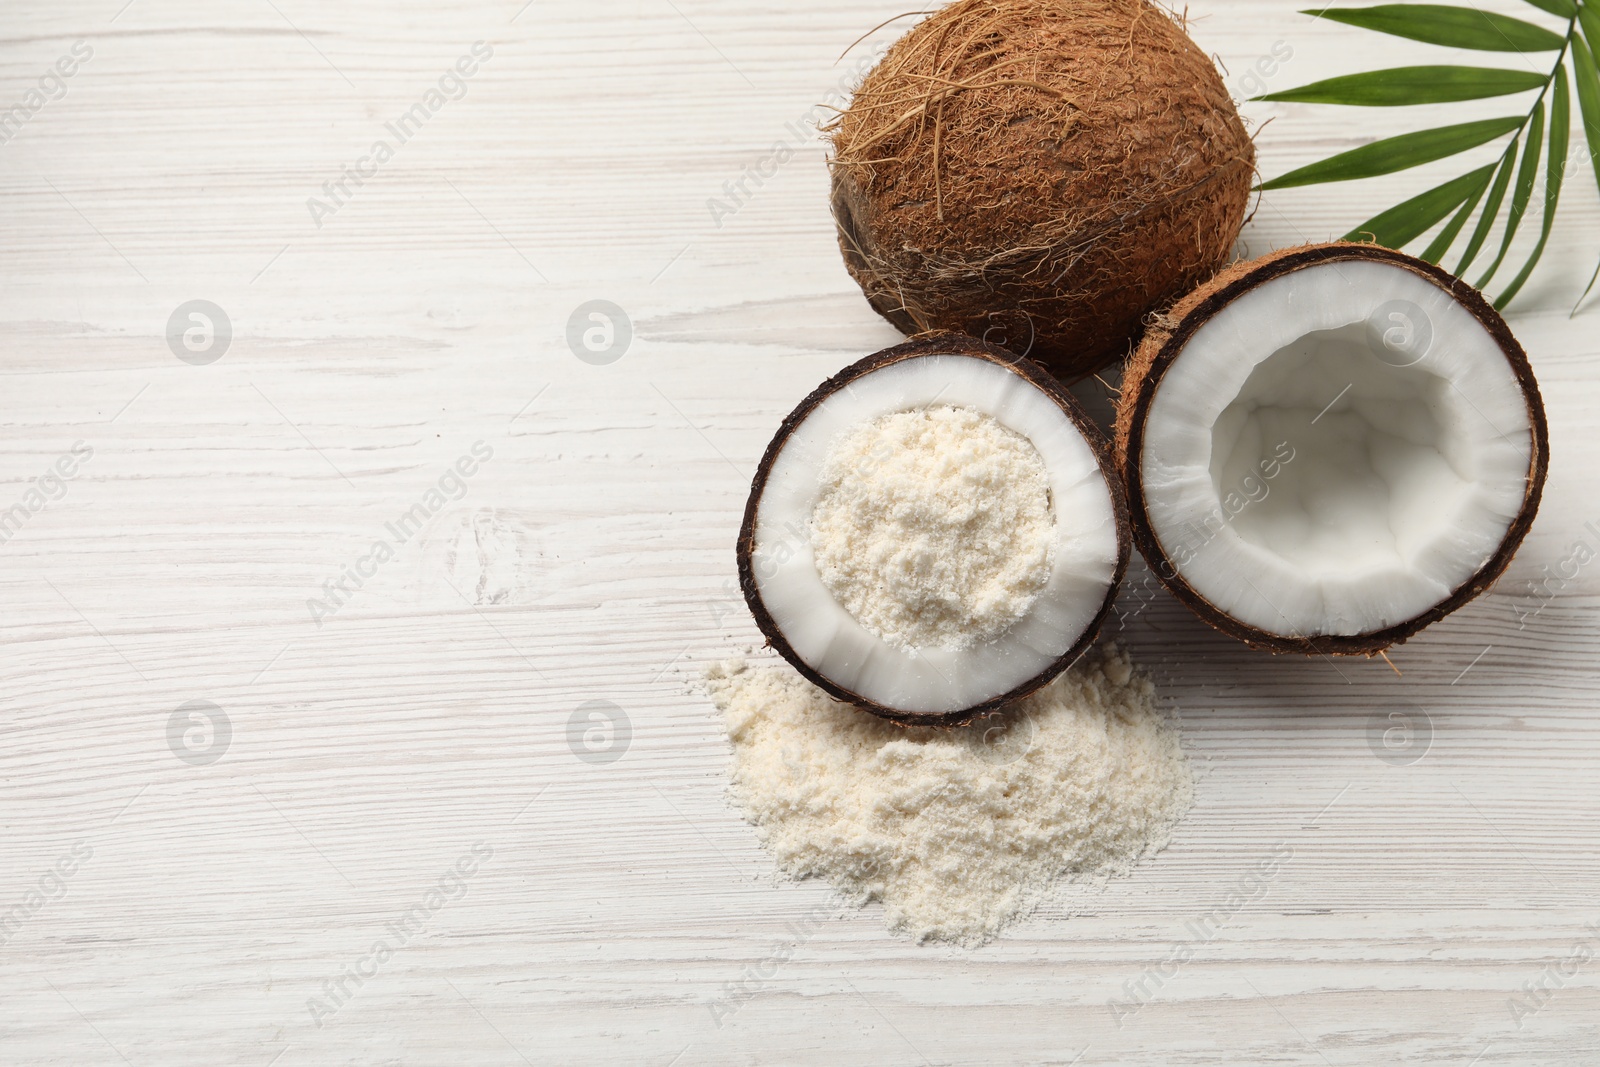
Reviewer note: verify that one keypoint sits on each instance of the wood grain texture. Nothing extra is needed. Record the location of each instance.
(590, 559)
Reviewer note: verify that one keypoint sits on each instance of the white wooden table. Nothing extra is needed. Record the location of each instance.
(183, 892)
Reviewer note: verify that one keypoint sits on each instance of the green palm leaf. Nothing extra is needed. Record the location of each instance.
(1491, 207)
(1564, 8)
(1454, 27)
(1592, 279)
(1404, 223)
(1555, 169)
(1588, 79)
(1498, 194)
(1446, 236)
(1523, 191)
(1590, 21)
(1399, 86)
(1397, 153)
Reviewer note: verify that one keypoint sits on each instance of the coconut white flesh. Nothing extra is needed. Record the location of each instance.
(935, 679)
(1409, 446)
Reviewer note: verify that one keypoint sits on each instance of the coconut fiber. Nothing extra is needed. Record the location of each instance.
(1040, 175)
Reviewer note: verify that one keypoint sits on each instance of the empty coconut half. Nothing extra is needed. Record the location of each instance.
(1331, 447)
(933, 532)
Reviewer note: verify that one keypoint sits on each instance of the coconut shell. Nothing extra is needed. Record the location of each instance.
(1164, 341)
(935, 343)
(1040, 175)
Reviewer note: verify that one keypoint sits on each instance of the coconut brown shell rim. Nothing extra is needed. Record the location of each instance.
(933, 344)
(1197, 310)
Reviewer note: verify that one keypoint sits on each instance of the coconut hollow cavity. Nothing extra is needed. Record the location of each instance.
(933, 532)
(1039, 175)
(1331, 447)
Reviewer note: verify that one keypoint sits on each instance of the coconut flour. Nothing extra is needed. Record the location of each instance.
(933, 527)
(956, 831)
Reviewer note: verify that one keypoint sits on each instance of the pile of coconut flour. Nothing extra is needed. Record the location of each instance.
(956, 831)
(933, 527)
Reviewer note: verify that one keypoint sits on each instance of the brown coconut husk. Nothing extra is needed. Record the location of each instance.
(1163, 344)
(949, 344)
(1041, 175)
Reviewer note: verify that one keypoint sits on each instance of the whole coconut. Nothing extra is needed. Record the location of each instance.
(1039, 174)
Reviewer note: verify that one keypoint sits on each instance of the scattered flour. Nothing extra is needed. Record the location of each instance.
(957, 832)
(934, 527)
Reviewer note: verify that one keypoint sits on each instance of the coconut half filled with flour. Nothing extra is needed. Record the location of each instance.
(933, 532)
(1331, 447)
